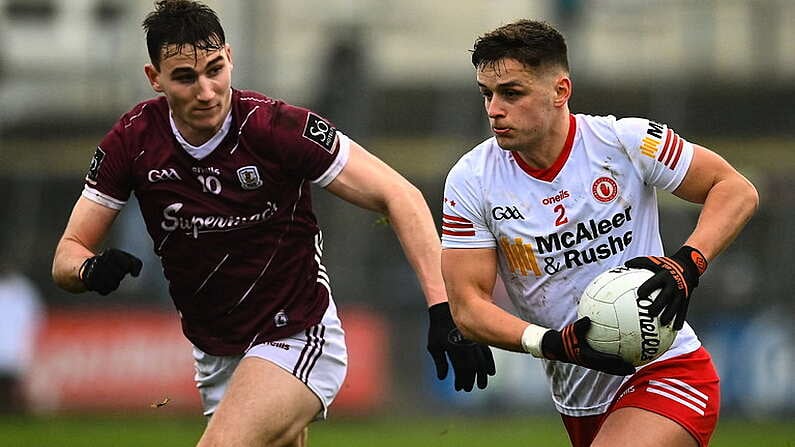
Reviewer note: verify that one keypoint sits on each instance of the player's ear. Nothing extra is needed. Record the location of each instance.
(153, 75)
(562, 90)
(228, 50)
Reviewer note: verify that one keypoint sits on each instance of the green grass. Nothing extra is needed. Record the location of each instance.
(117, 431)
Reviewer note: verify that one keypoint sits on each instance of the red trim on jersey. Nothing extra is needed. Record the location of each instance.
(549, 174)
(456, 225)
(455, 218)
(458, 233)
(459, 226)
(678, 154)
(666, 146)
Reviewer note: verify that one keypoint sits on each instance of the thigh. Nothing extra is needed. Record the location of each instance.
(316, 356)
(263, 405)
(674, 402)
(641, 428)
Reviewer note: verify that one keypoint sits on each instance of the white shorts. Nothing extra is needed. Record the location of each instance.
(317, 356)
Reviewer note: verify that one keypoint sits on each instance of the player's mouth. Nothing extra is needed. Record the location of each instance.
(500, 131)
(204, 110)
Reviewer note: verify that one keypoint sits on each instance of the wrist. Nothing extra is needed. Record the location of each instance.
(440, 312)
(531, 340)
(693, 257)
(81, 271)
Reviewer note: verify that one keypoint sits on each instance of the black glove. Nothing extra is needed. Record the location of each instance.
(103, 272)
(469, 359)
(569, 345)
(676, 277)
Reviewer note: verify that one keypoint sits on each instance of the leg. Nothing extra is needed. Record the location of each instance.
(263, 406)
(635, 427)
(674, 402)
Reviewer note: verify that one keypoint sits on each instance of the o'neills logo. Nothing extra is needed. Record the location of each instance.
(649, 334)
(604, 189)
(278, 344)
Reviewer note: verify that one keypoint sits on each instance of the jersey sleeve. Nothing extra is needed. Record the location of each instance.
(463, 221)
(311, 146)
(659, 155)
(108, 181)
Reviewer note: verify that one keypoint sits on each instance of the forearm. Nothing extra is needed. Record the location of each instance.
(413, 224)
(482, 321)
(727, 208)
(69, 256)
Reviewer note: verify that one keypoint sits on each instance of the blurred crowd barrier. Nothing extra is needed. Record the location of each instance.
(113, 359)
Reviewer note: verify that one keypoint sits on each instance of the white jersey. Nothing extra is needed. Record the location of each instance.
(556, 229)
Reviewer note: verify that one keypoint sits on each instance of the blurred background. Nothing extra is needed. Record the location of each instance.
(396, 77)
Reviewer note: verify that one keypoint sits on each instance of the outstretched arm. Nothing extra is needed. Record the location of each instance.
(369, 183)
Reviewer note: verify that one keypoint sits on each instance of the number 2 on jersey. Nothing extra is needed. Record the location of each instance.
(561, 219)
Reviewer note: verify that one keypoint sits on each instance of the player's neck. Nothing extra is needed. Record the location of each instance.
(543, 153)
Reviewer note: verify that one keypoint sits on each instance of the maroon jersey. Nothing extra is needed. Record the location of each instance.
(235, 231)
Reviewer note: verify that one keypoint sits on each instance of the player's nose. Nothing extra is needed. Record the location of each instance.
(206, 91)
(495, 109)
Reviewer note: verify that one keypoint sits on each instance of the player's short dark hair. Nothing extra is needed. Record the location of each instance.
(180, 23)
(531, 42)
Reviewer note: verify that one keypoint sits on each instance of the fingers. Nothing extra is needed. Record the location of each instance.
(641, 263)
(669, 313)
(127, 262)
(485, 365)
(465, 372)
(491, 369)
(681, 314)
(610, 363)
(650, 285)
(136, 266)
(662, 300)
(440, 360)
(581, 327)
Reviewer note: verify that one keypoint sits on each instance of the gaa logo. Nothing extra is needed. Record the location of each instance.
(160, 175)
(506, 212)
(604, 189)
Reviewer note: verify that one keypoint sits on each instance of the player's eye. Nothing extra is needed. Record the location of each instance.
(185, 79)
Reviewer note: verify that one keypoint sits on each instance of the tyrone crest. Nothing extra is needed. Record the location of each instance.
(249, 177)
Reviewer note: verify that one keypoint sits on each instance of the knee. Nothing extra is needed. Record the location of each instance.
(290, 436)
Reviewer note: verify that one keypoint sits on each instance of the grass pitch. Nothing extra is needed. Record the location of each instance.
(382, 431)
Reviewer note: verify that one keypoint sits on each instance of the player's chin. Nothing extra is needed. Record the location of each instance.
(506, 143)
(206, 122)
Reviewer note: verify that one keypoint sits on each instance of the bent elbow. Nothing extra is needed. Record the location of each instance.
(753, 199)
(463, 322)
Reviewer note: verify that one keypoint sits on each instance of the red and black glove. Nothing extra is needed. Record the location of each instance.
(569, 345)
(676, 277)
(103, 272)
(471, 361)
